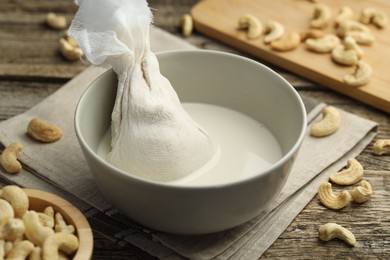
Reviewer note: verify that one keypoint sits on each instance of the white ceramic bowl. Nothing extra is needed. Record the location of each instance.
(207, 77)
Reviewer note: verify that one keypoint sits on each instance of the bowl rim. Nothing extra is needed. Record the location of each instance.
(155, 184)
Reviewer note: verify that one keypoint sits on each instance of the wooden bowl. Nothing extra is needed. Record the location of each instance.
(39, 200)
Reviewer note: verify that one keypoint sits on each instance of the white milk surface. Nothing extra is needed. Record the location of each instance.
(246, 147)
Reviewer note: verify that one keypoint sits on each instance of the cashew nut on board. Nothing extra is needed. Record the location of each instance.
(329, 124)
(362, 38)
(9, 158)
(344, 56)
(17, 198)
(65, 242)
(345, 13)
(253, 26)
(332, 230)
(324, 44)
(43, 131)
(362, 193)
(330, 200)
(311, 34)
(274, 30)
(349, 176)
(346, 26)
(382, 147)
(349, 53)
(57, 22)
(287, 42)
(371, 15)
(186, 24)
(361, 75)
(321, 16)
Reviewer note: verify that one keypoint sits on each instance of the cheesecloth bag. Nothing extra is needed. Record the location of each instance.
(152, 135)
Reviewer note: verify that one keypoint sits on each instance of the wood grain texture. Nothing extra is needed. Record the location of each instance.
(218, 19)
(33, 75)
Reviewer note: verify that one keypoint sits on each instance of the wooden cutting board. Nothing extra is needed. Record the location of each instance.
(218, 19)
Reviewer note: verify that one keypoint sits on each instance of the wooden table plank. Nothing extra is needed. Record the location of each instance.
(31, 69)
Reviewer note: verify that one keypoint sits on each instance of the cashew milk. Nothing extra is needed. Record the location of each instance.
(246, 147)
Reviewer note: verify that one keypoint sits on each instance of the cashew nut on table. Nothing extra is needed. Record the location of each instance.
(349, 176)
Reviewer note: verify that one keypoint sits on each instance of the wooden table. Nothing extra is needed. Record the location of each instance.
(31, 69)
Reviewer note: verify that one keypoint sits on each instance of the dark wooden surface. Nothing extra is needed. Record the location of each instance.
(31, 69)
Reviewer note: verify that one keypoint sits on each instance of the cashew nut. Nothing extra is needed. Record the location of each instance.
(35, 254)
(186, 24)
(344, 56)
(332, 230)
(349, 176)
(348, 53)
(35, 231)
(68, 243)
(57, 22)
(371, 15)
(43, 131)
(330, 200)
(6, 212)
(321, 17)
(17, 198)
(13, 230)
(47, 217)
(346, 26)
(9, 158)
(324, 44)
(21, 250)
(8, 245)
(69, 51)
(312, 33)
(382, 146)
(287, 42)
(2, 251)
(361, 76)
(274, 31)
(61, 225)
(363, 38)
(328, 125)
(345, 13)
(253, 26)
(351, 44)
(362, 193)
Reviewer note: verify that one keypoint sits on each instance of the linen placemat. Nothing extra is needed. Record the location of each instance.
(60, 168)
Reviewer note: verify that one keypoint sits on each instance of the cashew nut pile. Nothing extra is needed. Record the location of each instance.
(27, 234)
(360, 194)
(343, 44)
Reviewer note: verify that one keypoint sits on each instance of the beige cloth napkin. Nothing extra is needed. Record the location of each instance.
(60, 168)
